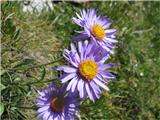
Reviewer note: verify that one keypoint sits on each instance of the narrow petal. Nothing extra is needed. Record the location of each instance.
(67, 77)
(73, 48)
(81, 36)
(46, 115)
(74, 85)
(111, 40)
(95, 86)
(105, 26)
(71, 83)
(75, 53)
(42, 103)
(107, 75)
(95, 89)
(105, 47)
(79, 16)
(78, 21)
(110, 31)
(51, 116)
(62, 118)
(40, 115)
(101, 84)
(103, 79)
(56, 117)
(80, 49)
(83, 13)
(104, 20)
(81, 88)
(67, 69)
(68, 56)
(42, 109)
(62, 91)
(85, 43)
(89, 91)
(89, 49)
(74, 59)
(105, 66)
(87, 31)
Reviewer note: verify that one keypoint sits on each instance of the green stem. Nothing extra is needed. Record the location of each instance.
(24, 107)
(36, 66)
(45, 64)
(39, 81)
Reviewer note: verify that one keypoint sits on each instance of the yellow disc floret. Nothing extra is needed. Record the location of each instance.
(57, 104)
(88, 69)
(98, 31)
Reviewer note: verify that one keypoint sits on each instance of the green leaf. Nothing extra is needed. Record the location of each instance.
(43, 73)
(24, 63)
(2, 87)
(1, 108)
(16, 34)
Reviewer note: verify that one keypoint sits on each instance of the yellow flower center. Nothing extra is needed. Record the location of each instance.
(57, 104)
(98, 31)
(88, 69)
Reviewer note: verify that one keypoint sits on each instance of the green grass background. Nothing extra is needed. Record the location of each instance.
(29, 41)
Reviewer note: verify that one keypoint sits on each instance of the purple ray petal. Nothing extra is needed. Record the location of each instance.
(81, 36)
(51, 116)
(74, 85)
(96, 89)
(42, 109)
(67, 69)
(101, 84)
(67, 77)
(46, 115)
(111, 40)
(89, 91)
(71, 83)
(103, 67)
(107, 75)
(101, 78)
(80, 88)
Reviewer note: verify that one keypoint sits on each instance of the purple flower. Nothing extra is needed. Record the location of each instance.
(87, 70)
(55, 104)
(96, 27)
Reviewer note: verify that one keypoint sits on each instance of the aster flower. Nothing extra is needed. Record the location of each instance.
(54, 104)
(87, 70)
(96, 28)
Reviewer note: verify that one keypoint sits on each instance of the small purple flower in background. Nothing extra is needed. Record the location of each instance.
(55, 104)
(87, 70)
(96, 27)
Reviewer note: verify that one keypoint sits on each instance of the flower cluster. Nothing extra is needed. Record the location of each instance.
(87, 71)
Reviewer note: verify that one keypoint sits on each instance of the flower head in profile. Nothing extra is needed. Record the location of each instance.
(87, 71)
(96, 28)
(55, 104)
